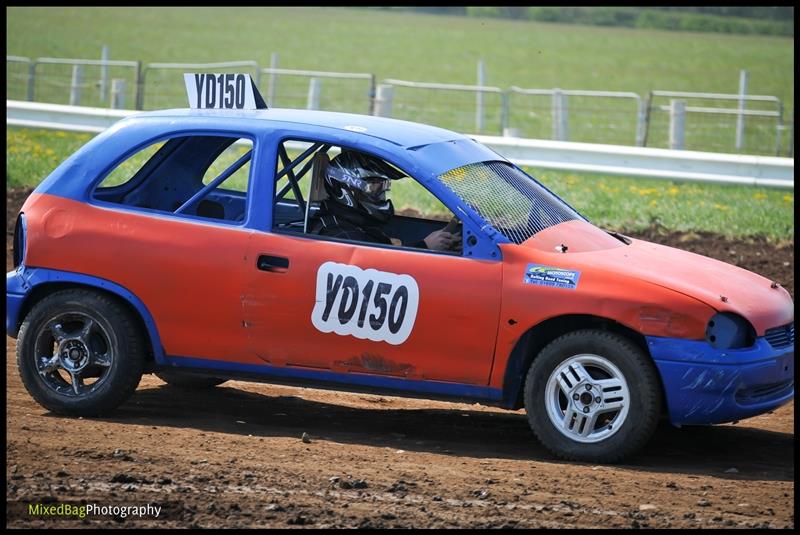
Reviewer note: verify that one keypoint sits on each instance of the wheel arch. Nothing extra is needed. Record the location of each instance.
(142, 317)
(538, 336)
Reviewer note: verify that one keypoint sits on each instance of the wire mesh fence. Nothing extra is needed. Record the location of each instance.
(17, 76)
(747, 124)
(319, 90)
(571, 115)
(463, 108)
(718, 123)
(81, 82)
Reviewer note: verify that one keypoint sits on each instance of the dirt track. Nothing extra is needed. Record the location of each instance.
(233, 456)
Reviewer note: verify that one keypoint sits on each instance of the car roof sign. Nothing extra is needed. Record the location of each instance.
(222, 91)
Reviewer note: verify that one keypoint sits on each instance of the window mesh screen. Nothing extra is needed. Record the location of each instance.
(507, 199)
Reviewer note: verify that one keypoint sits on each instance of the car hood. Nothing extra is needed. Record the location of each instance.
(724, 287)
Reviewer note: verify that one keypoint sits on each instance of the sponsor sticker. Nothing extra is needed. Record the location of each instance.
(365, 303)
(551, 276)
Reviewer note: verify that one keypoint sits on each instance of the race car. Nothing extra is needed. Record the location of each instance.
(185, 243)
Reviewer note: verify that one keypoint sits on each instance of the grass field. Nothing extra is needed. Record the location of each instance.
(621, 203)
(432, 48)
(413, 47)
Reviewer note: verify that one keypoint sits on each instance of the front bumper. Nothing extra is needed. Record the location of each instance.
(704, 385)
(17, 288)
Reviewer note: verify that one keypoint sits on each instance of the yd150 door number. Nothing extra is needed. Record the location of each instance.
(368, 304)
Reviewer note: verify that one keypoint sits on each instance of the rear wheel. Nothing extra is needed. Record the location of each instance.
(79, 352)
(592, 396)
(187, 380)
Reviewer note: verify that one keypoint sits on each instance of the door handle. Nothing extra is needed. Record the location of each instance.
(275, 264)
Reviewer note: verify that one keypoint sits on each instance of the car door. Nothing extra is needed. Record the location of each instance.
(350, 307)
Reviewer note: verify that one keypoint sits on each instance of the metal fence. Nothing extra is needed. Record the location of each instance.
(318, 90)
(749, 124)
(17, 76)
(83, 82)
(464, 108)
(718, 122)
(611, 117)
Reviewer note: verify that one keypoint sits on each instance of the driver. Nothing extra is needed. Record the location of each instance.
(357, 207)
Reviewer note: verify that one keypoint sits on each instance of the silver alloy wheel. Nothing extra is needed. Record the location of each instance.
(587, 398)
(70, 349)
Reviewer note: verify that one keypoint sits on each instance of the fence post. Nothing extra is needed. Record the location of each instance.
(641, 117)
(75, 85)
(740, 115)
(31, 79)
(273, 64)
(479, 98)
(560, 124)
(140, 73)
(779, 128)
(372, 94)
(118, 88)
(104, 74)
(313, 94)
(504, 111)
(648, 103)
(383, 100)
(677, 124)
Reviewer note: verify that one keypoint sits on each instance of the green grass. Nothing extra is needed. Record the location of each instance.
(413, 46)
(627, 204)
(32, 154)
(421, 47)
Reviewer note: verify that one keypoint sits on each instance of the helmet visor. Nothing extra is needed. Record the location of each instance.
(371, 185)
(376, 186)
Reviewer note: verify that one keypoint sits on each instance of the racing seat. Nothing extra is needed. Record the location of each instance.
(317, 193)
(213, 209)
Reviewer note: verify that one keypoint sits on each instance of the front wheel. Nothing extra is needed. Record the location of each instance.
(592, 396)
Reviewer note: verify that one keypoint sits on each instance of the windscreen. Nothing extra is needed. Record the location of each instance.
(508, 199)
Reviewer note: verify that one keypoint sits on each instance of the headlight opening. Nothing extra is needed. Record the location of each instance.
(726, 330)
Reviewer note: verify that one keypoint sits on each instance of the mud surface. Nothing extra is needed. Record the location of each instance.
(253, 455)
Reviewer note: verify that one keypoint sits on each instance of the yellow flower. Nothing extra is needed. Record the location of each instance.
(760, 196)
(788, 198)
(653, 202)
(720, 206)
(673, 190)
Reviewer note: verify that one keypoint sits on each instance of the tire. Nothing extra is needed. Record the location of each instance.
(612, 417)
(187, 380)
(80, 353)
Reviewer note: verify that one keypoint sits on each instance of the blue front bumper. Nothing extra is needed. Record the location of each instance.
(704, 385)
(17, 288)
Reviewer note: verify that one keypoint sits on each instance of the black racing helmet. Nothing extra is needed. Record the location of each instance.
(360, 182)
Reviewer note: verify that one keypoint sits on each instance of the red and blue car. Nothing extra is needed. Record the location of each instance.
(178, 243)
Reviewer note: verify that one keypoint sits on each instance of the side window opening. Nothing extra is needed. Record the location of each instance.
(368, 200)
(197, 176)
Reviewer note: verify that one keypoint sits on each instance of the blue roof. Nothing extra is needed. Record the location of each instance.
(402, 133)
